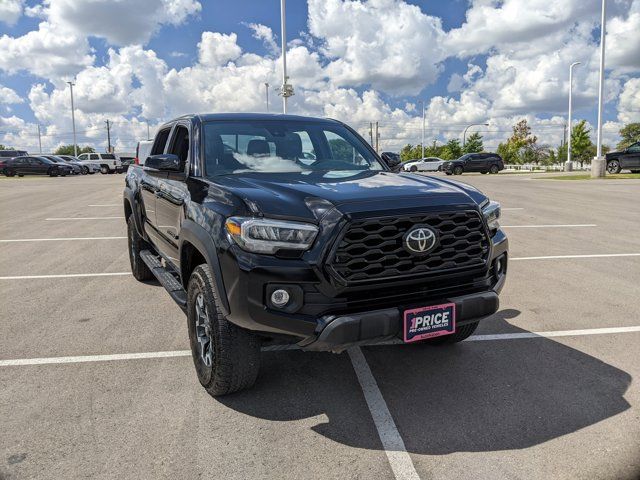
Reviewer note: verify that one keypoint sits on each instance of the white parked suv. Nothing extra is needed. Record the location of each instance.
(428, 164)
(109, 163)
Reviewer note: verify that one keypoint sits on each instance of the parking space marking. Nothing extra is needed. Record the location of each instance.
(185, 353)
(83, 218)
(68, 275)
(551, 226)
(560, 257)
(392, 442)
(61, 239)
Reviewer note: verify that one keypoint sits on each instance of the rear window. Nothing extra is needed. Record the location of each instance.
(108, 156)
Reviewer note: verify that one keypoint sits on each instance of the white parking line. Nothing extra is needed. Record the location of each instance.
(392, 442)
(68, 275)
(186, 353)
(551, 226)
(83, 218)
(559, 257)
(62, 239)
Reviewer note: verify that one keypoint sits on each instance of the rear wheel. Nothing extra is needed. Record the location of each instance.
(139, 269)
(494, 169)
(613, 167)
(226, 357)
(458, 170)
(462, 333)
(484, 173)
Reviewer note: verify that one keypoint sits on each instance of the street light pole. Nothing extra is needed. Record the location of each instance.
(73, 121)
(569, 166)
(598, 164)
(286, 90)
(464, 134)
(266, 91)
(422, 129)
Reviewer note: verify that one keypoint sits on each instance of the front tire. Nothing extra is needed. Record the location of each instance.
(494, 169)
(136, 243)
(84, 170)
(8, 172)
(457, 170)
(226, 357)
(104, 169)
(613, 167)
(53, 172)
(413, 169)
(462, 333)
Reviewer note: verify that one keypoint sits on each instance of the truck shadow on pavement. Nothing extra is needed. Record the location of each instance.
(471, 397)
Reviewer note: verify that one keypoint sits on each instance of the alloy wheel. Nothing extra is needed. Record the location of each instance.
(203, 331)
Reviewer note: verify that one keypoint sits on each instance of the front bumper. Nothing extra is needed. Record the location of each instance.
(329, 318)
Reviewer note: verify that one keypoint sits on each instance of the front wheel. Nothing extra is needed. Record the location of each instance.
(226, 357)
(613, 167)
(84, 170)
(104, 169)
(9, 172)
(52, 172)
(136, 243)
(462, 333)
(457, 171)
(413, 169)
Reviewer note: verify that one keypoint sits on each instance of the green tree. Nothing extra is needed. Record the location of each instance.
(452, 150)
(521, 140)
(68, 150)
(2, 147)
(474, 144)
(581, 143)
(630, 133)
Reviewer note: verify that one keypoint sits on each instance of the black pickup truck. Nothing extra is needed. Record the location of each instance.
(279, 229)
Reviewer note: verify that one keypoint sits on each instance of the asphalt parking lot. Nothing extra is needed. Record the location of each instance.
(509, 404)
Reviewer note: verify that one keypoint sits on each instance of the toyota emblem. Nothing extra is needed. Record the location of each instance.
(420, 240)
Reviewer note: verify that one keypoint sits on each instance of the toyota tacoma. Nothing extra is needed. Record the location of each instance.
(287, 230)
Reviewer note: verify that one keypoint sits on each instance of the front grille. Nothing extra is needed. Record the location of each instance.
(373, 248)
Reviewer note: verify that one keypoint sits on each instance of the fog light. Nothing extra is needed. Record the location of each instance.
(280, 298)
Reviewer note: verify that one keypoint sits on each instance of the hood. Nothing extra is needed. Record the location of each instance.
(289, 194)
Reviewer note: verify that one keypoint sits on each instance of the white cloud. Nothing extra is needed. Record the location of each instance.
(10, 11)
(120, 22)
(629, 103)
(217, 48)
(9, 96)
(623, 40)
(265, 34)
(387, 44)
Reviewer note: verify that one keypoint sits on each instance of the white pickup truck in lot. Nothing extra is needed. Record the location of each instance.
(109, 163)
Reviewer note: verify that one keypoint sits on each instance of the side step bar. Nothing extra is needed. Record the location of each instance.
(167, 279)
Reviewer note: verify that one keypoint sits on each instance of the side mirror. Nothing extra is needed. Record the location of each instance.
(392, 160)
(165, 162)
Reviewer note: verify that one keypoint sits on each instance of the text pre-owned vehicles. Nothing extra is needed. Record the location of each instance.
(31, 165)
(474, 162)
(86, 167)
(427, 164)
(109, 163)
(629, 159)
(75, 169)
(258, 243)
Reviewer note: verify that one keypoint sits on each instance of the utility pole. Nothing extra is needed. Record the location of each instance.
(371, 132)
(108, 137)
(148, 131)
(286, 90)
(266, 92)
(73, 121)
(39, 139)
(569, 166)
(598, 164)
(377, 138)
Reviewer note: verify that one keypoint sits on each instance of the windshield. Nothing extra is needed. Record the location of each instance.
(283, 146)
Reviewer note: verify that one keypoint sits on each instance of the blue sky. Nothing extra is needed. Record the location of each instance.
(465, 65)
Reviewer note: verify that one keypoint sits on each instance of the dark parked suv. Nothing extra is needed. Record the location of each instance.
(629, 158)
(292, 230)
(474, 162)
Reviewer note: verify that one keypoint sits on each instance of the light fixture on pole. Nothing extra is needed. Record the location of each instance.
(73, 121)
(568, 166)
(598, 164)
(286, 90)
(464, 134)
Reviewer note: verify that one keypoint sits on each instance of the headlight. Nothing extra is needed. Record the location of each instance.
(268, 236)
(491, 212)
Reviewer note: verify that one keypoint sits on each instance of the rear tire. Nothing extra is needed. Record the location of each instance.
(493, 169)
(462, 333)
(613, 167)
(458, 170)
(136, 243)
(226, 357)
(413, 169)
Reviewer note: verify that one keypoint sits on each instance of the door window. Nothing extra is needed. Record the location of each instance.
(180, 144)
(342, 150)
(94, 156)
(635, 148)
(160, 141)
